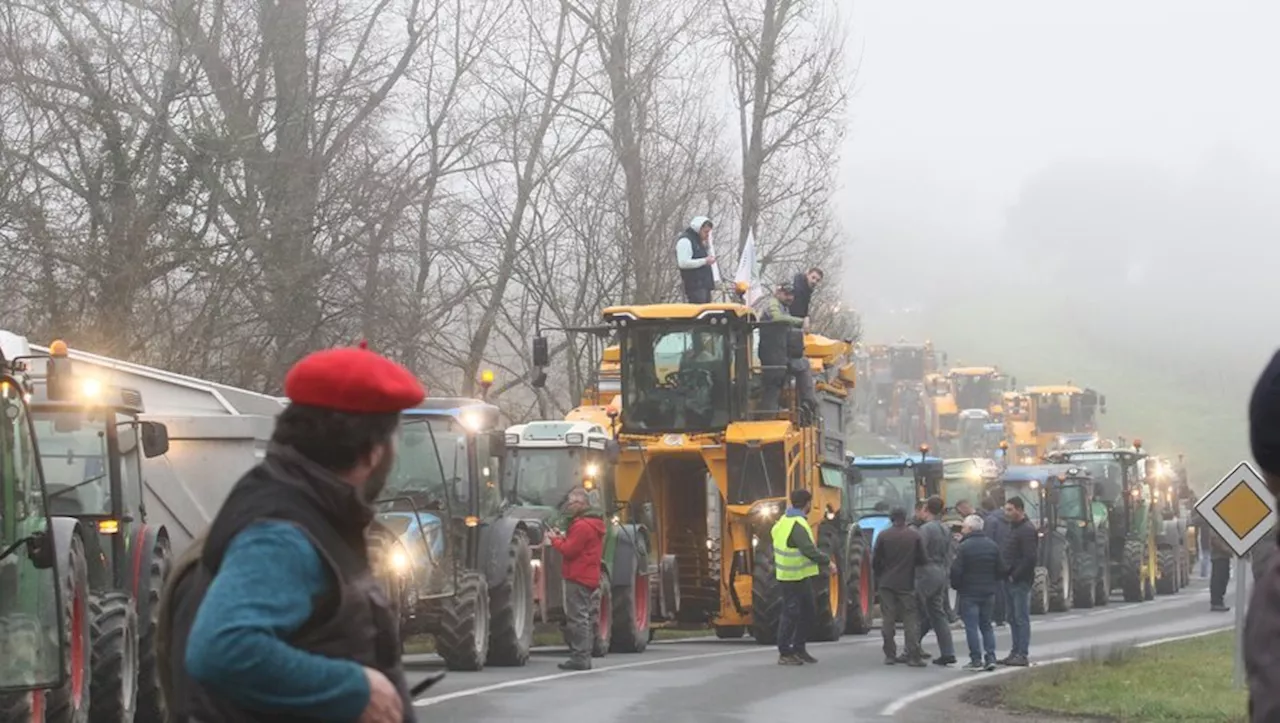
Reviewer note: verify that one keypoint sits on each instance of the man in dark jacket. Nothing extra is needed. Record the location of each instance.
(898, 553)
(1222, 555)
(997, 528)
(976, 575)
(275, 613)
(694, 259)
(796, 562)
(1019, 553)
(1262, 621)
(581, 550)
(805, 284)
(931, 581)
(772, 350)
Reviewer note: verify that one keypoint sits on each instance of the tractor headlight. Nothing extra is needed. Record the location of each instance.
(767, 511)
(755, 541)
(399, 561)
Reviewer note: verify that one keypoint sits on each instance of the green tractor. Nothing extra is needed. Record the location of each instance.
(1173, 499)
(45, 638)
(1122, 488)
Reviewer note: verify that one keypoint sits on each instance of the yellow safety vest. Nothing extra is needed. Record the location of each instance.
(789, 564)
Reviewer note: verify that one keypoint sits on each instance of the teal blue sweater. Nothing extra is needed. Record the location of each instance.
(263, 593)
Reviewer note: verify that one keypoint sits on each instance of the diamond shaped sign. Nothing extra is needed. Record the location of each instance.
(1239, 508)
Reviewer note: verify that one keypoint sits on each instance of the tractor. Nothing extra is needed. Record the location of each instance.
(456, 561)
(545, 461)
(1064, 415)
(1120, 485)
(46, 611)
(877, 484)
(965, 478)
(706, 462)
(1073, 565)
(944, 417)
(1172, 522)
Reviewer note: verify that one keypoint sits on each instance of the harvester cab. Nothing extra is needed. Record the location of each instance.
(1071, 566)
(45, 588)
(458, 564)
(976, 387)
(1064, 411)
(545, 461)
(91, 442)
(706, 462)
(1121, 486)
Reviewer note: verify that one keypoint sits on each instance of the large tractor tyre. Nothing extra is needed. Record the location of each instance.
(731, 632)
(114, 688)
(1102, 592)
(150, 706)
(26, 707)
(766, 596)
(511, 607)
(1040, 592)
(829, 590)
(631, 609)
(69, 703)
(1060, 590)
(602, 617)
(1084, 582)
(1184, 567)
(22, 635)
(1131, 580)
(1167, 581)
(462, 637)
(859, 586)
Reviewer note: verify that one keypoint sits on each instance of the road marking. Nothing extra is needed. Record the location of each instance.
(1068, 617)
(435, 700)
(901, 703)
(1188, 636)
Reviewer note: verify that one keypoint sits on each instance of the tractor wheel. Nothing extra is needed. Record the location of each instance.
(1167, 582)
(511, 607)
(1184, 567)
(1040, 592)
(1085, 579)
(1060, 581)
(766, 597)
(829, 590)
(150, 705)
(25, 707)
(858, 585)
(731, 632)
(69, 703)
(602, 622)
(114, 690)
(463, 635)
(631, 608)
(1102, 594)
(22, 635)
(1131, 581)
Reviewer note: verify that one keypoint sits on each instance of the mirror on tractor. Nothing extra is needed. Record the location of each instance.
(541, 352)
(612, 451)
(155, 439)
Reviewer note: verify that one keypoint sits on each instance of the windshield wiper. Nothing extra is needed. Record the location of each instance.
(76, 486)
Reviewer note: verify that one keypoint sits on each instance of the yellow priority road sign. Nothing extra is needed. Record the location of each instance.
(1239, 508)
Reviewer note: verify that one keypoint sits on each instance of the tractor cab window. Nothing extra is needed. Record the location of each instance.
(907, 364)
(676, 379)
(30, 655)
(73, 453)
(1071, 501)
(878, 491)
(1059, 414)
(431, 465)
(490, 476)
(1030, 499)
(973, 392)
(1108, 476)
(543, 477)
(128, 439)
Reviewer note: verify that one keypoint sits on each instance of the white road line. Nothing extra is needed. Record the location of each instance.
(901, 703)
(1067, 617)
(1188, 636)
(435, 700)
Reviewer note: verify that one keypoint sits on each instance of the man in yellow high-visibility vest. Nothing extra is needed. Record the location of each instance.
(796, 562)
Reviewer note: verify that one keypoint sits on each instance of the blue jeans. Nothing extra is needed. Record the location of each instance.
(977, 613)
(1020, 616)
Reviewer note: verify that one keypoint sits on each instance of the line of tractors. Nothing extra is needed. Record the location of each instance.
(684, 456)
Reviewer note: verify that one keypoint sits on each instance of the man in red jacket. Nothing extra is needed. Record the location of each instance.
(581, 550)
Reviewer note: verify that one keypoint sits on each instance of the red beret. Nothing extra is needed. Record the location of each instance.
(354, 380)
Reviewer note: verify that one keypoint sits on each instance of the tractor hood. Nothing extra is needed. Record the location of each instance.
(408, 526)
(875, 524)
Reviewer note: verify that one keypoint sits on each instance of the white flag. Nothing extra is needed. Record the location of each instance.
(747, 270)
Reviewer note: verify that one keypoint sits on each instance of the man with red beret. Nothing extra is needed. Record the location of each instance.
(275, 614)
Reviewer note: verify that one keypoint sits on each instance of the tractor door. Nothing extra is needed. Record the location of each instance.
(30, 624)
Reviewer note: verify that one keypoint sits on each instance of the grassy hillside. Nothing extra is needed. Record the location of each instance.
(1149, 396)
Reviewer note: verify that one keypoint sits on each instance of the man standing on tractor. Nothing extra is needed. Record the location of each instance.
(804, 285)
(777, 363)
(899, 553)
(796, 562)
(276, 613)
(931, 582)
(581, 549)
(1019, 554)
(694, 259)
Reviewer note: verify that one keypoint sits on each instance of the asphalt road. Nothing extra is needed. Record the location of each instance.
(706, 680)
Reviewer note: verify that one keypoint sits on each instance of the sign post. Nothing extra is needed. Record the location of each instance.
(1241, 511)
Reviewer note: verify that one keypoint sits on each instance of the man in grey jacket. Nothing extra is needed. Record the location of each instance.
(931, 581)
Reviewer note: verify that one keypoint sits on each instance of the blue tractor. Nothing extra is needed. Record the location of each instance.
(876, 485)
(456, 563)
